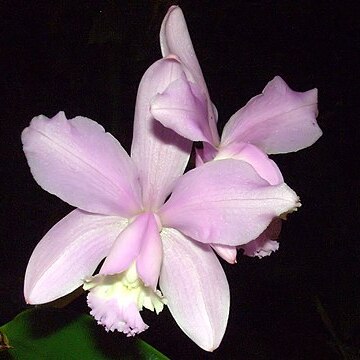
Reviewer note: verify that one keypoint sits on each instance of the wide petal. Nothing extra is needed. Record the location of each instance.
(140, 242)
(182, 107)
(225, 202)
(175, 39)
(79, 162)
(279, 120)
(160, 154)
(264, 166)
(195, 285)
(68, 253)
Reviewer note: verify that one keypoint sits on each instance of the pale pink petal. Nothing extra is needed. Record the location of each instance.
(225, 202)
(160, 154)
(265, 244)
(279, 120)
(264, 166)
(68, 253)
(148, 262)
(175, 39)
(139, 241)
(195, 285)
(127, 246)
(79, 162)
(226, 252)
(183, 108)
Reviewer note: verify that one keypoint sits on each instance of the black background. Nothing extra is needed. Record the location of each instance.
(87, 58)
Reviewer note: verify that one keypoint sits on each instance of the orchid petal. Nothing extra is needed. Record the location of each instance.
(182, 107)
(149, 260)
(279, 120)
(226, 252)
(199, 157)
(160, 154)
(207, 153)
(79, 162)
(264, 166)
(225, 202)
(264, 244)
(139, 241)
(195, 285)
(125, 248)
(175, 39)
(69, 252)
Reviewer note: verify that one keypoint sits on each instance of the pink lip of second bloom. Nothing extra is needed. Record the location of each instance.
(122, 215)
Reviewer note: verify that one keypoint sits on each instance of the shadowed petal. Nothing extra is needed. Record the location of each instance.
(175, 39)
(183, 108)
(160, 154)
(279, 120)
(225, 202)
(68, 253)
(83, 165)
(195, 285)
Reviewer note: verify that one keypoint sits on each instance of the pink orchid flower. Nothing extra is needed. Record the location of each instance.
(152, 224)
(279, 120)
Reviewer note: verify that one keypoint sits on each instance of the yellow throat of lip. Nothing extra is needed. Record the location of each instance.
(127, 288)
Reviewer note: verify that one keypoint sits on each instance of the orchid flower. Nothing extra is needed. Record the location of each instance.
(152, 224)
(279, 120)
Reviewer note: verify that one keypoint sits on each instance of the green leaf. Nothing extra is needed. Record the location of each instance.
(48, 333)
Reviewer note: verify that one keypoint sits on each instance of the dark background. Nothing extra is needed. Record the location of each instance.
(87, 58)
